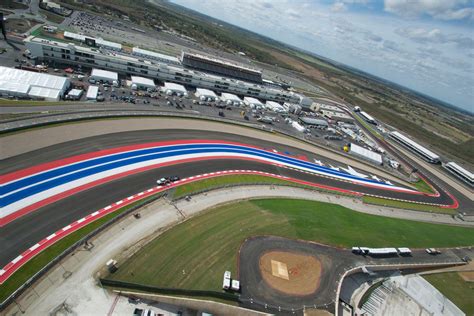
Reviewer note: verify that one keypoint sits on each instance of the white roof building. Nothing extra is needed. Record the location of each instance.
(205, 93)
(98, 41)
(22, 83)
(104, 75)
(365, 153)
(137, 51)
(74, 36)
(143, 83)
(252, 102)
(108, 44)
(423, 151)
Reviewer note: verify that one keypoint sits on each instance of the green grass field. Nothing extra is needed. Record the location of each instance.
(407, 205)
(194, 254)
(422, 186)
(223, 181)
(455, 289)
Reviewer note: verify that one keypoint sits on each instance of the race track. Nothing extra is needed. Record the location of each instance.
(24, 231)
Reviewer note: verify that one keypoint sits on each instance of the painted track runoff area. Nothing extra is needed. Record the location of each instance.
(26, 190)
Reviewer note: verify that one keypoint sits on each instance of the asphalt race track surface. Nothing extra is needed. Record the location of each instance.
(257, 294)
(29, 229)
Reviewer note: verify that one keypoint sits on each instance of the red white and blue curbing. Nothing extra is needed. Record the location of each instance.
(26, 190)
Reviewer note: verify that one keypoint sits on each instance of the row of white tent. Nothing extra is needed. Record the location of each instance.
(205, 95)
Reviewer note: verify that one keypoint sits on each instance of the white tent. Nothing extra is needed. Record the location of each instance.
(47, 94)
(231, 99)
(143, 83)
(205, 94)
(18, 82)
(15, 89)
(171, 88)
(252, 102)
(104, 75)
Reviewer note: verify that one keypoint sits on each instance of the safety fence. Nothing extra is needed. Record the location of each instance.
(169, 291)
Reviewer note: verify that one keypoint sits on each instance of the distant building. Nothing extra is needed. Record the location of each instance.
(460, 172)
(137, 51)
(415, 147)
(126, 64)
(220, 67)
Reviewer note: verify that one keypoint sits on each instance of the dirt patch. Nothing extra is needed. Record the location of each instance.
(467, 276)
(19, 25)
(290, 273)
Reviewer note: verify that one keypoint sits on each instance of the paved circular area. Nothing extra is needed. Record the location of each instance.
(291, 272)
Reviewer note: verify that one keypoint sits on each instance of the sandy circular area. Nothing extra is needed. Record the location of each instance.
(290, 273)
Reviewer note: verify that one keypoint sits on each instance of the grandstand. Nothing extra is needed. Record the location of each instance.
(220, 67)
(460, 172)
(417, 148)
